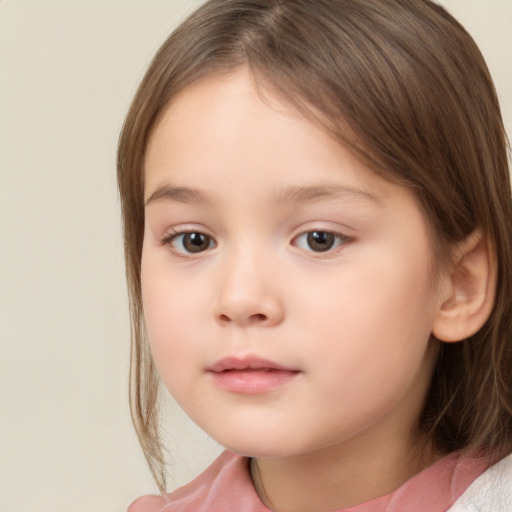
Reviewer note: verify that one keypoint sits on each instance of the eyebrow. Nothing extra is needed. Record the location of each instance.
(293, 194)
(180, 194)
(323, 192)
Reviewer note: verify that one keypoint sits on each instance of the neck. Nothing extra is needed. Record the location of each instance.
(336, 477)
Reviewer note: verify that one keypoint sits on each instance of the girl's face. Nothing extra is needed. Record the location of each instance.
(288, 291)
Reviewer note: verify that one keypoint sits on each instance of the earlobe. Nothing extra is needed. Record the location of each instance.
(468, 297)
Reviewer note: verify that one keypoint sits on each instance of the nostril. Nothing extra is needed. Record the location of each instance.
(259, 317)
(256, 318)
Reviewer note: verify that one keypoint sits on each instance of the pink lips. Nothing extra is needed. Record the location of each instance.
(250, 375)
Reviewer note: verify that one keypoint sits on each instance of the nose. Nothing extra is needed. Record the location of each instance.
(248, 293)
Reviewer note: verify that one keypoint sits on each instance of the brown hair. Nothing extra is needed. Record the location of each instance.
(404, 85)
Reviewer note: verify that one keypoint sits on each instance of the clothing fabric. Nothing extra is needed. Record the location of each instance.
(491, 492)
(454, 484)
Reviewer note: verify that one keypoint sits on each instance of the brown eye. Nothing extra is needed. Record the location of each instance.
(191, 243)
(320, 241)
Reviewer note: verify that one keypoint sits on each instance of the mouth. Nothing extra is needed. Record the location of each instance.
(250, 375)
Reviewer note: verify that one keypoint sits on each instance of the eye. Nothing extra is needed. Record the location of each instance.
(189, 243)
(320, 241)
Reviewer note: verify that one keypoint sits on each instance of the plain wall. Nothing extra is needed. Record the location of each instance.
(68, 70)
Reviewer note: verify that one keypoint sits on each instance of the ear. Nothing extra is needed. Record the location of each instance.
(468, 290)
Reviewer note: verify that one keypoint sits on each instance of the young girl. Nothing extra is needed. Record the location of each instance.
(318, 226)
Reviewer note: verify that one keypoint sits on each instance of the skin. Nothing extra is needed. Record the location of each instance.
(354, 321)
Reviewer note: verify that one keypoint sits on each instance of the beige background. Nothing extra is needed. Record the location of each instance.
(67, 72)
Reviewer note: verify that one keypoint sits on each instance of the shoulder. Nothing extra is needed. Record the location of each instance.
(492, 491)
(225, 484)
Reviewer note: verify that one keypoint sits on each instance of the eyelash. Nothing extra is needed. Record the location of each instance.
(337, 239)
(169, 239)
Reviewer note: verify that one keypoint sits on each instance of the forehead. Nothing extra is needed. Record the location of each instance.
(222, 122)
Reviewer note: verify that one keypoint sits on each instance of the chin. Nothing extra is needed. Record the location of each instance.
(260, 445)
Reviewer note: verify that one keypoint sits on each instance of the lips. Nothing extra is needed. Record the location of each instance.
(247, 363)
(250, 375)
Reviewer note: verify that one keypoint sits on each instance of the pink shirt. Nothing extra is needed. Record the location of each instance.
(227, 486)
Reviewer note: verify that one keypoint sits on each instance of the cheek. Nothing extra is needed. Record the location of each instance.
(372, 354)
(169, 320)
(374, 322)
